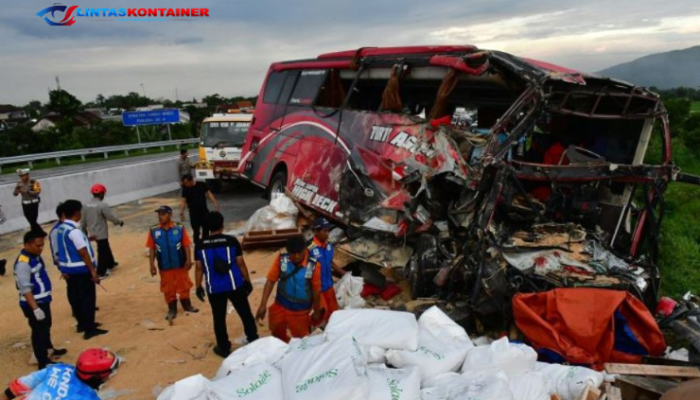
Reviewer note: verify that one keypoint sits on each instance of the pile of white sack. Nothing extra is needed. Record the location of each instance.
(369, 354)
(281, 213)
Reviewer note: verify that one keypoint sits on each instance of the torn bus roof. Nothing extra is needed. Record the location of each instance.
(454, 153)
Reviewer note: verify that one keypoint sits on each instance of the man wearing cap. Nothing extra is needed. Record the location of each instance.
(76, 260)
(94, 224)
(221, 266)
(30, 190)
(298, 278)
(323, 251)
(169, 243)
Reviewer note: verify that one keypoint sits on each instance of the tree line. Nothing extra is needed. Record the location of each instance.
(68, 134)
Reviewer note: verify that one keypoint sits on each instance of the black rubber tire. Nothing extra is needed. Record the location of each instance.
(278, 183)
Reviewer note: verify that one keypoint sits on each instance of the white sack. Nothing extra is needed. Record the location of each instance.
(300, 344)
(331, 371)
(261, 381)
(348, 290)
(374, 354)
(281, 213)
(530, 386)
(381, 328)
(283, 205)
(393, 384)
(569, 382)
(512, 358)
(442, 346)
(268, 349)
(474, 386)
(191, 388)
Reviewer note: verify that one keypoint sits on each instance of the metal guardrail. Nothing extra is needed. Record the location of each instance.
(126, 148)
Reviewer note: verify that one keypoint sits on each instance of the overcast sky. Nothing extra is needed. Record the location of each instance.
(229, 52)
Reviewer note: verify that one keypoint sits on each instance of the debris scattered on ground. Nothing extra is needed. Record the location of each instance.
(431, 359)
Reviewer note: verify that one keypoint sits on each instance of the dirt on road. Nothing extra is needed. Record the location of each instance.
(132, 308)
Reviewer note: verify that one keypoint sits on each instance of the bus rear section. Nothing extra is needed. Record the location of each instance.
(221, 142)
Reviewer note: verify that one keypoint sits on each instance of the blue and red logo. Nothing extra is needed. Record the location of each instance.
(120, 14)
(68, 17)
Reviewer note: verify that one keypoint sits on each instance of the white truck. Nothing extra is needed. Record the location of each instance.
(221, 140)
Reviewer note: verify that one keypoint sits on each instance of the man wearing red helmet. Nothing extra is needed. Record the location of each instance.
(95, 216)
(63, 381)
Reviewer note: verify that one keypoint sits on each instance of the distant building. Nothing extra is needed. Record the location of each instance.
(9, 112)
(195, 105)
(150, 108)
(84, 119)
(239, 107)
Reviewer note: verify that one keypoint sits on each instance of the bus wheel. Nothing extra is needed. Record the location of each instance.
(278, 184)
(214, 185)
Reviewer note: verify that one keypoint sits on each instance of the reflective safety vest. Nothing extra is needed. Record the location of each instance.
(294, 290)
(169, 250)
(69, 260)
(324, 255)
(221, 271)
(40, 278)
(53, 242)
(58, 381)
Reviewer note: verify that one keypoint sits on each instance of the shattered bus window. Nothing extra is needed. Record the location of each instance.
(485, 173)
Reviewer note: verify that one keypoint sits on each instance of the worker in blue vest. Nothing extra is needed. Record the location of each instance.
(76, 260)
(220, 264)
(34, 288)
(322, 250)
(169, 244)
(62, 381)
(297, 307)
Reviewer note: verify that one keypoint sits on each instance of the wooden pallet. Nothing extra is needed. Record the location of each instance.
(652, 370)
(268, 238)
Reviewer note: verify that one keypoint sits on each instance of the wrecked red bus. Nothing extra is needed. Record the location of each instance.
(472, 158)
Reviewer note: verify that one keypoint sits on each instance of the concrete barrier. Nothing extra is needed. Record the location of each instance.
(124, 183)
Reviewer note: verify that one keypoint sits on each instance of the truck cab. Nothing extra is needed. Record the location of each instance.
(221, 140)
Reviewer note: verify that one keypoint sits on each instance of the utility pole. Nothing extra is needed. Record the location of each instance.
(144, 90)
(58, 83)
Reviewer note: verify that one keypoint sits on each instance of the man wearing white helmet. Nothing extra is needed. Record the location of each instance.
(30, 190)
(94, 223)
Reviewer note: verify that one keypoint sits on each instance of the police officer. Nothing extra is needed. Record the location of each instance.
(30, 190)
(298, 278)
(169, 243)
(34, 288)
(76, 260)
(323, 251)
(219, 260)
(63, 381)
(94, 224)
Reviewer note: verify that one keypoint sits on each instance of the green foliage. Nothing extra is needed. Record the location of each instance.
(34, 109)
(695, 107)
(63, 103)
(678, 110)
(679, 257)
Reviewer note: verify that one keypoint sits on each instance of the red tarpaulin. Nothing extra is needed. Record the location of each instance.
(588, 326)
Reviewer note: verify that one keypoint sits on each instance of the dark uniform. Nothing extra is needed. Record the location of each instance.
(31, 277)
(224, 282)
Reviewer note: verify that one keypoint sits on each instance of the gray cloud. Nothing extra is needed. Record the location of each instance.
(230, 51)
